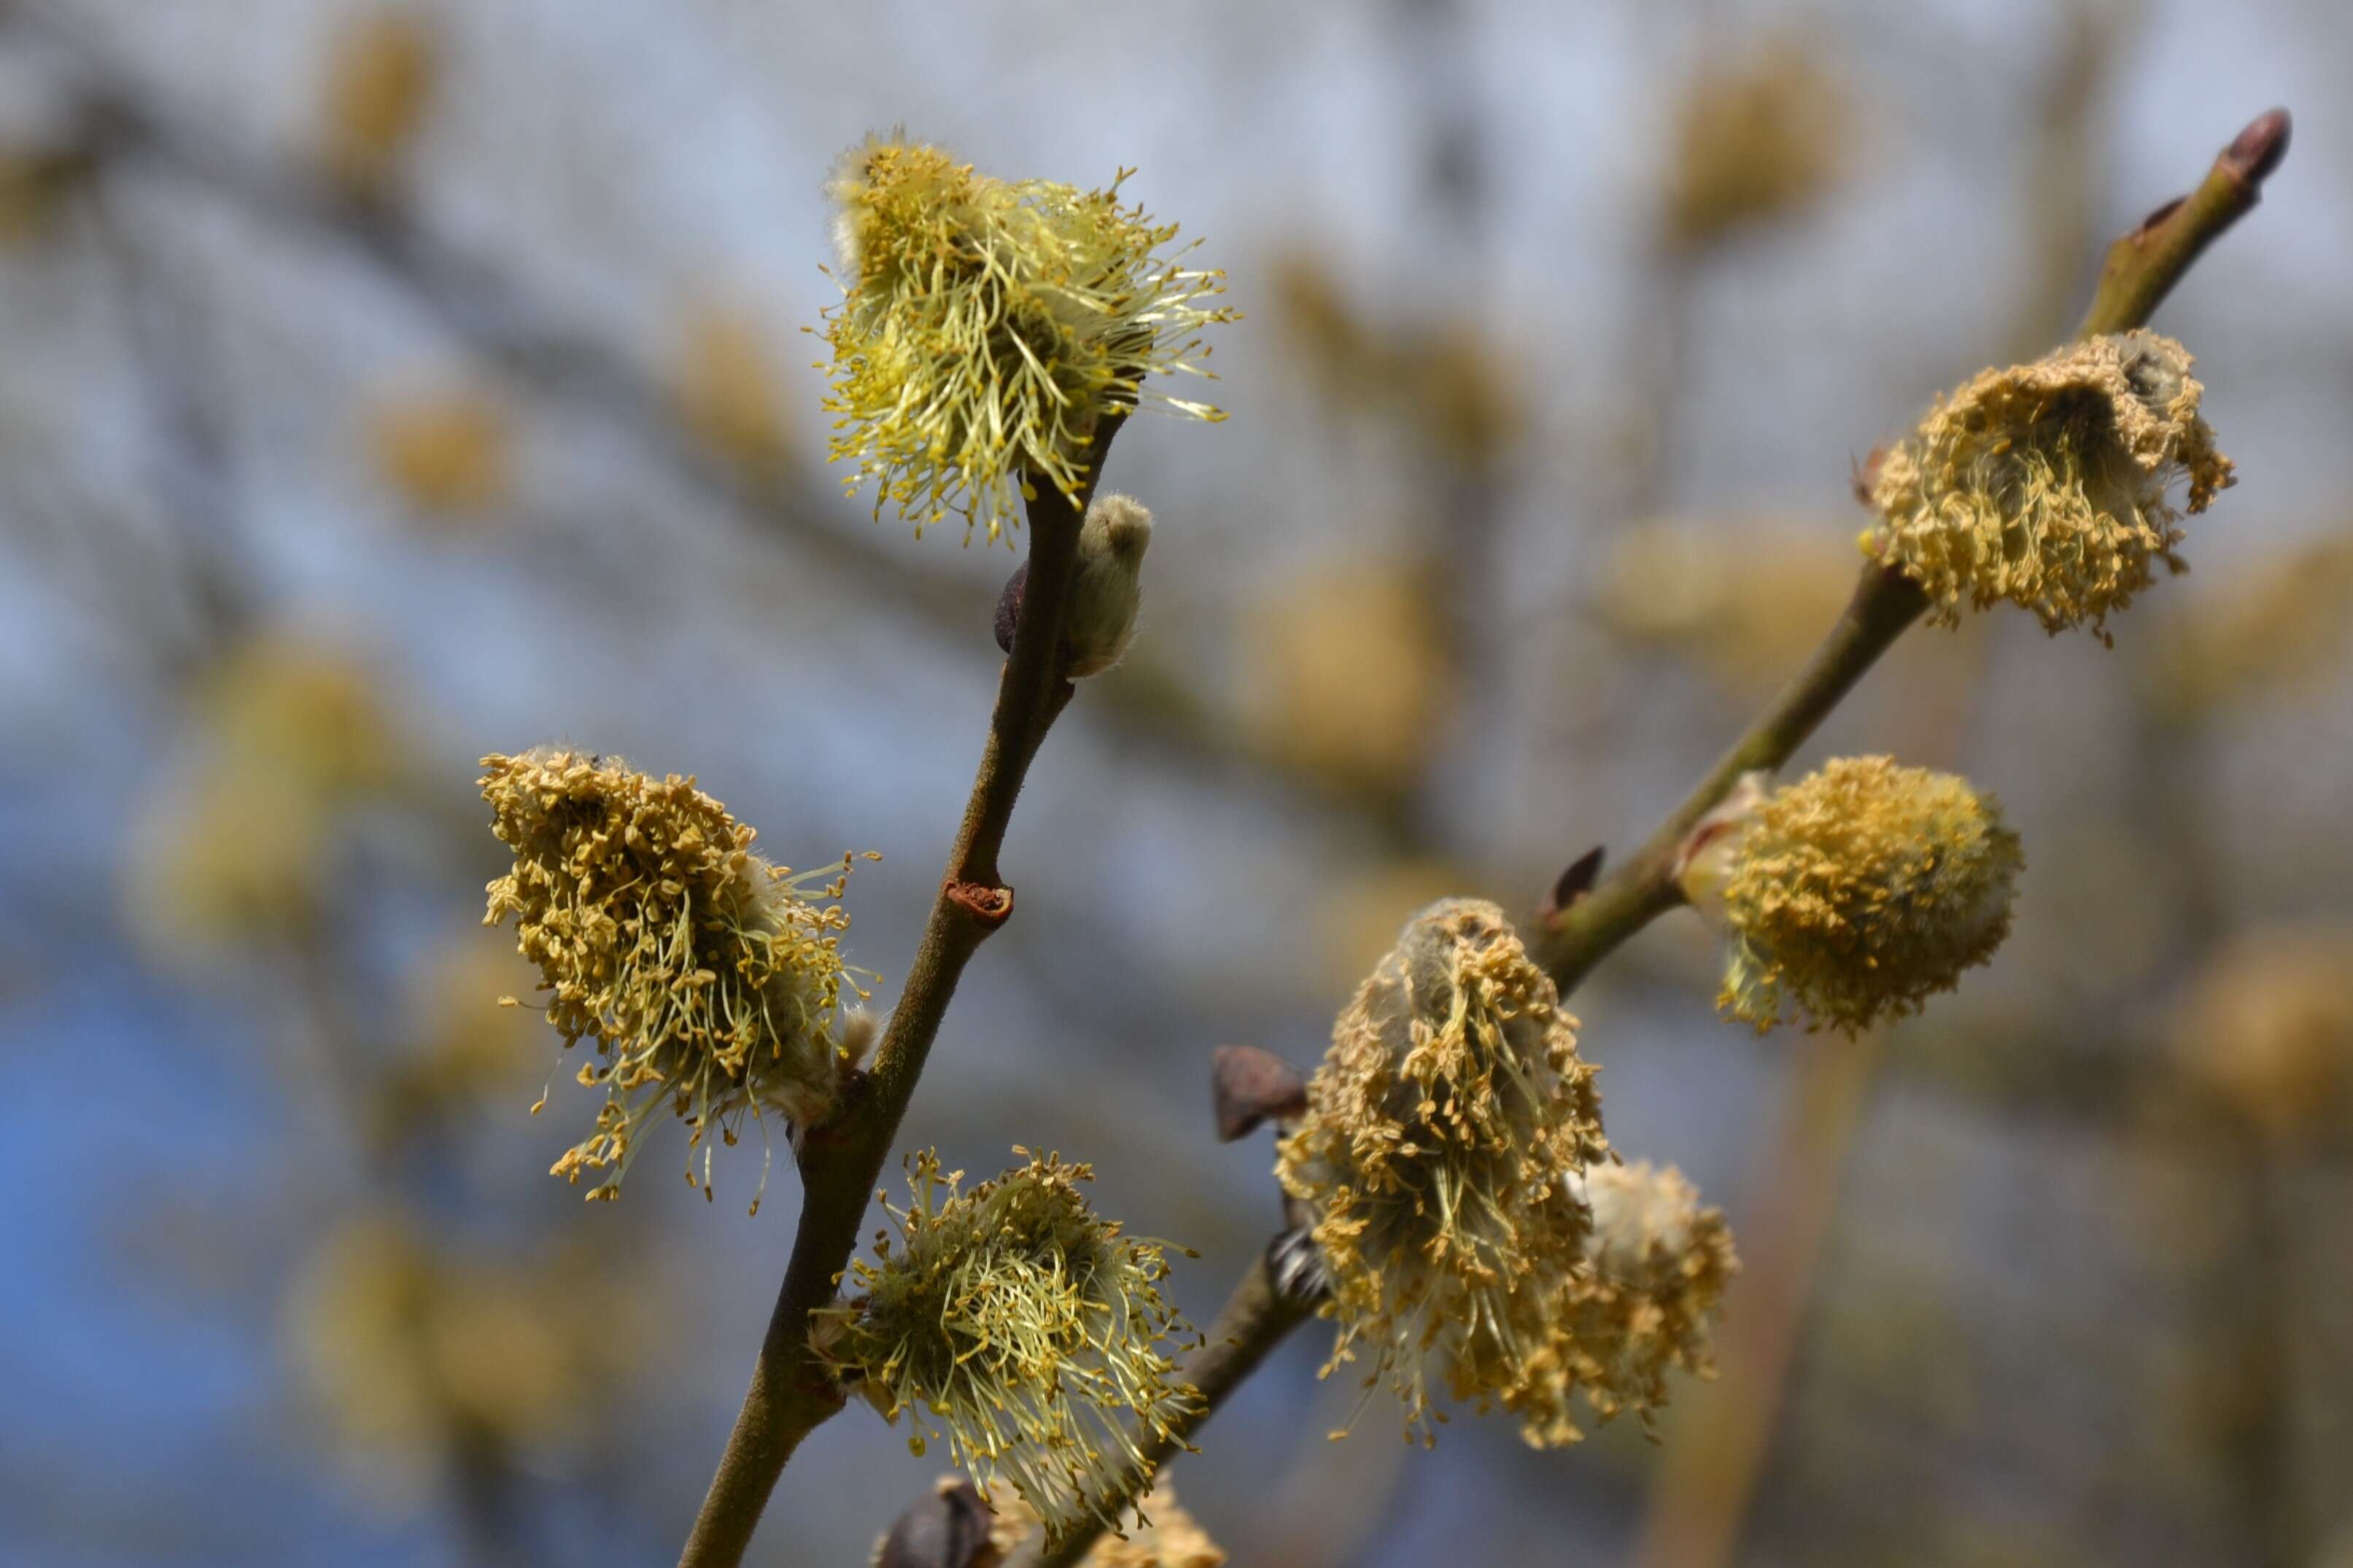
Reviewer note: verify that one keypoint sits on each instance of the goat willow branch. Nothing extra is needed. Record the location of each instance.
(1571, 939)
(791, 1393)
(2142, 267)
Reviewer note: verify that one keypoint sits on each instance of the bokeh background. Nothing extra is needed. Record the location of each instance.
(388, 384)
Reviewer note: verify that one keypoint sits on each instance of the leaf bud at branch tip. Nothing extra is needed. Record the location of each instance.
(2258, 150)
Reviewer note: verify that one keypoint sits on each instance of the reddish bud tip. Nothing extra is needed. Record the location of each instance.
(2259, 148)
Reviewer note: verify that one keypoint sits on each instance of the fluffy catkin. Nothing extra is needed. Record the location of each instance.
(1108, 589)
(1027, 1326)
(2046, 484)
(706, 977)
(1442, 1132)
(1856, 893)
(1661, 1263)
(986, 327)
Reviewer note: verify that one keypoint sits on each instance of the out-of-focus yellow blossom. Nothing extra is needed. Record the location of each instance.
(447, 451)
(2045, 484)
(1855, 893)
(1027, 1326)
(1755, 139)
(1447, 386)
(465, 1047)
(1442, 1131)
(415, 1355)
(1171, 1538)
(1748, 598)
(35, 181)
(986, 327)
(728, 393)
(305, 712)
(237, 843)
(2269, 1027)
(379, 84)
(708, 979)
(1350, 680)
(2269, 629)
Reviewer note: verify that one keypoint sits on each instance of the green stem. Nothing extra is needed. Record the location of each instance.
(1570, 941)
(791, 1393)
(2142, 267)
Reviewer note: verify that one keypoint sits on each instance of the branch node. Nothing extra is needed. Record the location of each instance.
(990, 906)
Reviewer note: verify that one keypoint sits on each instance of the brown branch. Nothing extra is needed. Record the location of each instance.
(2142, 267)
(791, 1393)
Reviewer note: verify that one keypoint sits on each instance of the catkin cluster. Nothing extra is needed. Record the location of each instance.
(1443, 1129)
(707, 977)
(986, 327)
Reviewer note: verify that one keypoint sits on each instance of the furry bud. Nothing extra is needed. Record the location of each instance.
(1108, 590)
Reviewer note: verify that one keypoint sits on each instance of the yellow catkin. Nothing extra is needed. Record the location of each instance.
(728, 395)
(708, 978)
(2046, 484)
(239, 845)
(1028, 1328)
(1661, 1263)
(1857, 892)
(1441, 1130)
(986, 327)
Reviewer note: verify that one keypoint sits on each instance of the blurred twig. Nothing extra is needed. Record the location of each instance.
(1711, 1468)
